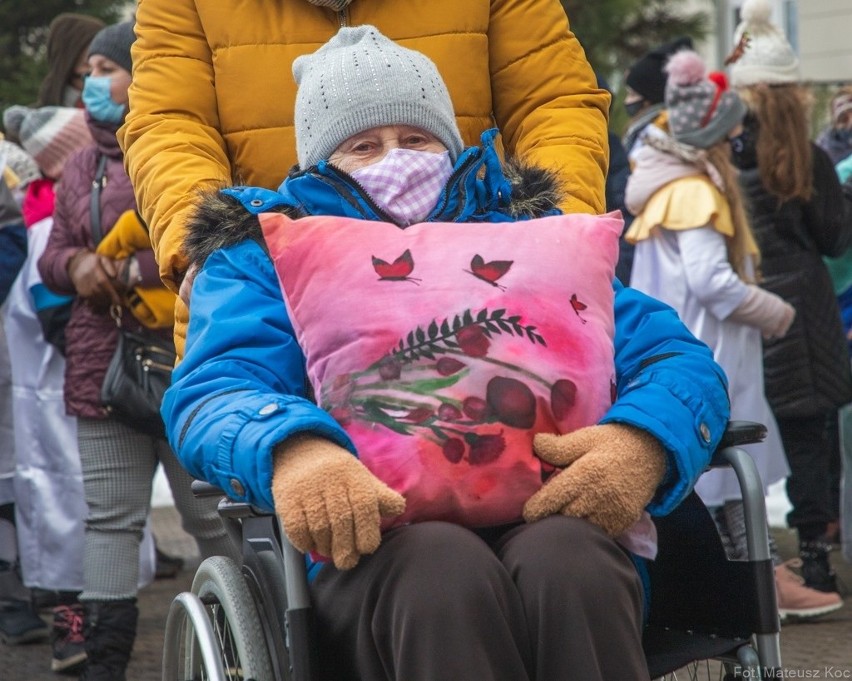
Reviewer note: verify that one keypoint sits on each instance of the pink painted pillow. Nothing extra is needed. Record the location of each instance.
(442, 348)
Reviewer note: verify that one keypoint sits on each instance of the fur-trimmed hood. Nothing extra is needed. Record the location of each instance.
(227, 217)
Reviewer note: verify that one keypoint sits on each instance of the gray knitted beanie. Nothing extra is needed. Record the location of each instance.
(360, 80)
(50, 134)
(113, 42)
(701, 111)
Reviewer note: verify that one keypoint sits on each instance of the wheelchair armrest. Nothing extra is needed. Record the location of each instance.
(729, 455)
(202, 489)
(736, 434)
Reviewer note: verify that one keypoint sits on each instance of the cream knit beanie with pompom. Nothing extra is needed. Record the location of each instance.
(768, 57)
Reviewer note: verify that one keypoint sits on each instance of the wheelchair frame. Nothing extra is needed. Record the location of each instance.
(201, 641)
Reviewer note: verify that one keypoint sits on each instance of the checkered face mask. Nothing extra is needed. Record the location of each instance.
(406, 184)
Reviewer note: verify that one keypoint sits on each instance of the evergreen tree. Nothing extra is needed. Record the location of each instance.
(23, 40)
(614, 33)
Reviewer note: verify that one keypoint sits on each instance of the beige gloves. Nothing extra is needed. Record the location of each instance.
(328, 501)
(612, 472)
(768, 312)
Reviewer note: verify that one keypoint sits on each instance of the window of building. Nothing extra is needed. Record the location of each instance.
(791, 22)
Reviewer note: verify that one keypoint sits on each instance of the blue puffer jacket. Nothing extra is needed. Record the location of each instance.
(241, 387)
(13, 253)
(13, 239)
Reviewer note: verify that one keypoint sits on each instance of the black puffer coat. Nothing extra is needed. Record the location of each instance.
(807, 372)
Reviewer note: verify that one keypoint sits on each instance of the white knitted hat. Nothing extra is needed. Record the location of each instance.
(768, 57)
(360, 80)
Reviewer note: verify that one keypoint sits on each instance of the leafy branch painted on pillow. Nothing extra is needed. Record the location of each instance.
(463, 335)
(410, 390)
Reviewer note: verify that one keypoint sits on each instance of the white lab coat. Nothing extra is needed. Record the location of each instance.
(50, 504)
(689, 270)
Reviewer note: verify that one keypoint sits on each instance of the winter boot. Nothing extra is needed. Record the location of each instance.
(816, 568)
(167, 566)
(66, 639)
(110, 629)
(797, 600)
(19, 622)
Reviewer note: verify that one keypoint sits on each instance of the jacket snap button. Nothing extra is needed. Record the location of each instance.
(256, 202)
(705, 432)
(268, 409)
(237, 487)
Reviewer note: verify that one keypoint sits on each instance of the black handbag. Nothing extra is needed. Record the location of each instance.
(141, 368)
(137, 377)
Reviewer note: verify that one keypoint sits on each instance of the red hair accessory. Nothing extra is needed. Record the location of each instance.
(720, 79)
(721, 82)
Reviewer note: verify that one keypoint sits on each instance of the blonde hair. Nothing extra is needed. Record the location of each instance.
(784, 157)
(742, 246)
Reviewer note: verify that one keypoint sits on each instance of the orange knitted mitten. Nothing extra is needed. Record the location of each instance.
(611, 473)
(328, 501)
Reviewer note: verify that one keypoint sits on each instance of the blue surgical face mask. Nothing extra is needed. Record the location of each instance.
(98, 101)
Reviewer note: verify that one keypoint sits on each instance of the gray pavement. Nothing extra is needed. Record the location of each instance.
(820, 649)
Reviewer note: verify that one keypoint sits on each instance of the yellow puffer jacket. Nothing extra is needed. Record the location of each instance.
(213, 94)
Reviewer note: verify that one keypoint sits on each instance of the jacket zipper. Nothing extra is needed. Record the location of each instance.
(343, 17)
(456, 177)
(199, 407)
(149, 364)
(350, 182)
(645, 363)
(648, 361)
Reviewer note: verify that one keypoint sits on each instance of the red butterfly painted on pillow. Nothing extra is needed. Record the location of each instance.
(489, 272)
(398, 270)
(578, 306)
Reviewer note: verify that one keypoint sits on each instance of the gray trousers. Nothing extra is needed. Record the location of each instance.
(118, 470)
(556, 599)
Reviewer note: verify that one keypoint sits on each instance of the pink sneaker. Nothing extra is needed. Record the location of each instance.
(797, 600)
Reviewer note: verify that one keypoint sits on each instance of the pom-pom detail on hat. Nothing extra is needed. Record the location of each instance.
(756, 11)
(686, 68)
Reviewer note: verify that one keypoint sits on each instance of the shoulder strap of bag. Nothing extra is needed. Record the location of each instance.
(95, 200)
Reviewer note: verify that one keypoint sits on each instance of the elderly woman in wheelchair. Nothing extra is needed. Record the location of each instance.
(431, 376)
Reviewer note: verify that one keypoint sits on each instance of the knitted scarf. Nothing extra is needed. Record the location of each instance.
(661, 141)
(662, 160)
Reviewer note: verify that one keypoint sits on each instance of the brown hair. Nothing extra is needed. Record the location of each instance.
(784, 156)
(742, 244)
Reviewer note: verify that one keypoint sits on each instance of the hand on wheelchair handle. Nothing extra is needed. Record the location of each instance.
(611, 473)
(328, 501)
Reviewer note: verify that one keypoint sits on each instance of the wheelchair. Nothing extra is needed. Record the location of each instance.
(254, 621)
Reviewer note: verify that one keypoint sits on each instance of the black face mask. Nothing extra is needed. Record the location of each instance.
(744, 149)
(634, 107)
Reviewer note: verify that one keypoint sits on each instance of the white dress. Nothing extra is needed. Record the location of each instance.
(50, 504)
(689, 270)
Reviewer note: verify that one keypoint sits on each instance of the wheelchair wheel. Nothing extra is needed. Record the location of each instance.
(220, 586)
(190, 650)
(704, 670)
(272, 605)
